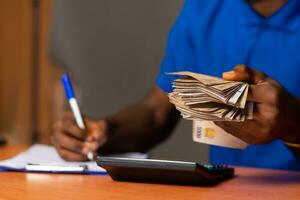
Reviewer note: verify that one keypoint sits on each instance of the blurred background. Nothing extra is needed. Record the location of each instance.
(111, 48)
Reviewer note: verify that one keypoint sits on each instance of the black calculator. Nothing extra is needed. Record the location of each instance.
(164, 171)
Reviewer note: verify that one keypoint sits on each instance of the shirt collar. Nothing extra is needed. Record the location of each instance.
(287, 18)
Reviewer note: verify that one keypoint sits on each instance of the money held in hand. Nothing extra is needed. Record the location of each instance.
(203, 97)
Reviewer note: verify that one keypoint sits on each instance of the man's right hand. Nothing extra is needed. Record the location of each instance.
(73, 143)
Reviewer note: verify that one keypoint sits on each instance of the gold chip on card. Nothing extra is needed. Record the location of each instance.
(209, 133)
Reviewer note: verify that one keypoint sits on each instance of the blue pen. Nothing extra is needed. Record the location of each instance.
(74, 106)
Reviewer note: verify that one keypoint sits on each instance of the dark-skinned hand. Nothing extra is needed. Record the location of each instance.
(274, 107)
(72, 143)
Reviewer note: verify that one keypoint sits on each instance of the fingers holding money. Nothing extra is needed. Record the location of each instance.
(244, 74)
(260, 84)
(269, 97)
(202, 97)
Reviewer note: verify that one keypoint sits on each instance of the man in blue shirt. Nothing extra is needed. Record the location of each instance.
(261, 38)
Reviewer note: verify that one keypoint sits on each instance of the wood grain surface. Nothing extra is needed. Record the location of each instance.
(249, 183)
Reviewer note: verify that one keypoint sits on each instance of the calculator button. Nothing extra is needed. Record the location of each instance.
(208, 166)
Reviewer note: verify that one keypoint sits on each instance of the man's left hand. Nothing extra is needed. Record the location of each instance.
(274, 109)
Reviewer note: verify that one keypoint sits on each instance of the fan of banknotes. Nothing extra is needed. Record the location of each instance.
(203, 97)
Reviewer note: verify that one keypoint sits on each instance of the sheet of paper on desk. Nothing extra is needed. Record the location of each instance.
(44, 154)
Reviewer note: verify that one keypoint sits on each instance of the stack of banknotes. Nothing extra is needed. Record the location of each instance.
(203, 97)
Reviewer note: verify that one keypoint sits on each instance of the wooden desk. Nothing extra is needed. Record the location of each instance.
(249, 183)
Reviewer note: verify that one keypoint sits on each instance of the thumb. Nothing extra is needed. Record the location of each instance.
(244, 74)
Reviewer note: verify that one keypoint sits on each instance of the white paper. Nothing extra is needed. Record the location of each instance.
(45, 154)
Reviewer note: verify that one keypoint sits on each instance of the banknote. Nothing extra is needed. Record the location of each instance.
(205, 99)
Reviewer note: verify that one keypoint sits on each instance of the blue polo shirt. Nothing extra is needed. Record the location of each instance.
(212, 36)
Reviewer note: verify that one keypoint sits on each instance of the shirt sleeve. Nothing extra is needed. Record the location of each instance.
(179, 50)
